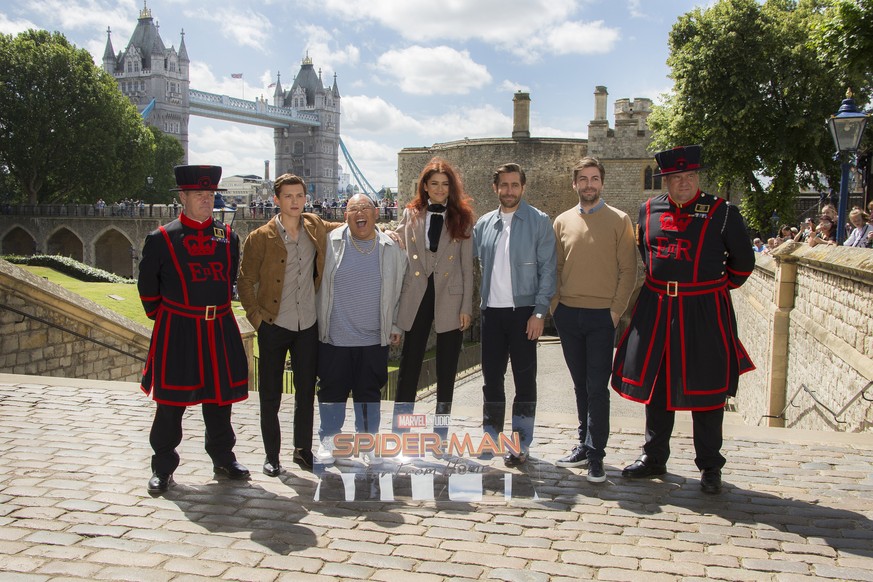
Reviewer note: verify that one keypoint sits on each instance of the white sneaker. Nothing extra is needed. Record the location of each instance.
(324, 454)
(370, 459)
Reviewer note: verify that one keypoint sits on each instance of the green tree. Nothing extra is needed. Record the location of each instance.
(67, 134)
(750, 87)
(843, 39)
(166, 153)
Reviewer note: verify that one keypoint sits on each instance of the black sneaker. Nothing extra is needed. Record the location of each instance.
(596, 473)
(577, 458)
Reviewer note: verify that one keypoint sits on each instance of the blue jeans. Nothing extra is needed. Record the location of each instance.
(587, 338)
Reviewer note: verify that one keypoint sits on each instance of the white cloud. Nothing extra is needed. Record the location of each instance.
(203, 79)
(319, 45)
(244, 27)
(84, 14)
(583, 38)
(513, 87)
(375, 115)
(634, 9)
(237, 149)
(439, 70)
(469, 122)
(526, 28)
(9, 26)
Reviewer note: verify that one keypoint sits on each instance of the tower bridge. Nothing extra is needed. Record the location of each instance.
(305, 118)
(257, 112)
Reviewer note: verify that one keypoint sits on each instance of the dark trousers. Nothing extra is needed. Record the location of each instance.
(504, 338)
(361, 371)
(587, 337)
(448, 351)
(166, 435)
(274, 343)
(707, 426)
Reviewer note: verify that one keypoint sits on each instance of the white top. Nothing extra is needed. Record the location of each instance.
(500, 293)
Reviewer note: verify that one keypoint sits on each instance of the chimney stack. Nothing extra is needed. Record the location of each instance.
(600, 95)
(521, 115)
(266, 170)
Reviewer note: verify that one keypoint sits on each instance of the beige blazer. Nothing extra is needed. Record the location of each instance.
(452, 275)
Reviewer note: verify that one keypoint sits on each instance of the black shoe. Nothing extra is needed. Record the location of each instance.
(577, 458)
(159, 482)
(710, 480)
(303, 458)
(643, 468)
(511, 460)
(272, 468)
(596, 474)
(233, 470)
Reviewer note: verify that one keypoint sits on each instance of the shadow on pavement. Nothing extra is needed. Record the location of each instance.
(841, 529)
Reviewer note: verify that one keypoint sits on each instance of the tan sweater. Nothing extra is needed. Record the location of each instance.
(597, 259)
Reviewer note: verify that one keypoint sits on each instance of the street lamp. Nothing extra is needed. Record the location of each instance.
(846, 128)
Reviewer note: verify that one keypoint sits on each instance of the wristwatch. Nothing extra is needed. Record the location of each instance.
(538, 315)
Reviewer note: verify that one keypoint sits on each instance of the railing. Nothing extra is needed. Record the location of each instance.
(469, 363)
(168, 211)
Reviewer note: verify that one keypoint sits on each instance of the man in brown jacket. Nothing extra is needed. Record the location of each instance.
(281, 270)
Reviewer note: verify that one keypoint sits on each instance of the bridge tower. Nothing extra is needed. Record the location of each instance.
(310, 152)
(153, 77)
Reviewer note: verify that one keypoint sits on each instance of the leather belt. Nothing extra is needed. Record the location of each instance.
(678, 288)
(205, 312)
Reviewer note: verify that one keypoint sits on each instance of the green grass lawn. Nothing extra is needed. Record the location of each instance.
(122, 298)
(126, 298)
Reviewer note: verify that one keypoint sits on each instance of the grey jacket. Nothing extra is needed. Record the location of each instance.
(531, 252)
(392, 262)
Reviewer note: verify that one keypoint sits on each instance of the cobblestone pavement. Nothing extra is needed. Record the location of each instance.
(73, 505)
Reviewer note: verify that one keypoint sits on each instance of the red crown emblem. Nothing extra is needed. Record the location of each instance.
(199, 244)
(674, 222)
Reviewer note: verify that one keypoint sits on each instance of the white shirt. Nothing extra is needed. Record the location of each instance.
(500, 292)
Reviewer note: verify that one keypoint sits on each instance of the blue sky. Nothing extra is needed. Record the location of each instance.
(410, 72)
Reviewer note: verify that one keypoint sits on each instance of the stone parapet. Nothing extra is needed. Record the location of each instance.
(804, 316)
(46, 330)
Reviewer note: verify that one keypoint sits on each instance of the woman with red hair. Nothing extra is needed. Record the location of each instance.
(437, 230)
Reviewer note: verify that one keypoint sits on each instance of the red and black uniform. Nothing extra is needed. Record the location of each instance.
(683, 326)
(186, 280)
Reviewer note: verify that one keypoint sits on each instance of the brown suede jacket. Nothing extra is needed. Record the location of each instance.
(262, 270)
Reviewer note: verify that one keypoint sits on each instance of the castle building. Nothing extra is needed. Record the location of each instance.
(548, 162)
(155, 78)
(310, 152)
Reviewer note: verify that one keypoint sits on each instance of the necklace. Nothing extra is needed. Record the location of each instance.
(360, 250)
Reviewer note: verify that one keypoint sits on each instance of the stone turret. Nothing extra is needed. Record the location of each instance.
(310, 152)
(148, 72)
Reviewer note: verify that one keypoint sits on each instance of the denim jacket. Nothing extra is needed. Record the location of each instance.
(533, 263)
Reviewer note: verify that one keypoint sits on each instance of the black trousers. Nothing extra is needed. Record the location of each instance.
(274, 343)
(166, 435)
(361, 371)
(707, 426)
(448, 351)
(504, 338)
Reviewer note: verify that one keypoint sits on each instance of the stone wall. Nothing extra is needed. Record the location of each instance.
(811, 335)
(47, 331)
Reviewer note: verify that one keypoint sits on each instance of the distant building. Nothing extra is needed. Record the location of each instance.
(548, 162)
(155, 78)
(244, 189)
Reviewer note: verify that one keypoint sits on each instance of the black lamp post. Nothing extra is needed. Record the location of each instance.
(846, 128)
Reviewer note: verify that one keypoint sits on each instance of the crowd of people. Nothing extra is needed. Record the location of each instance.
(336, 295)
(823, 230)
